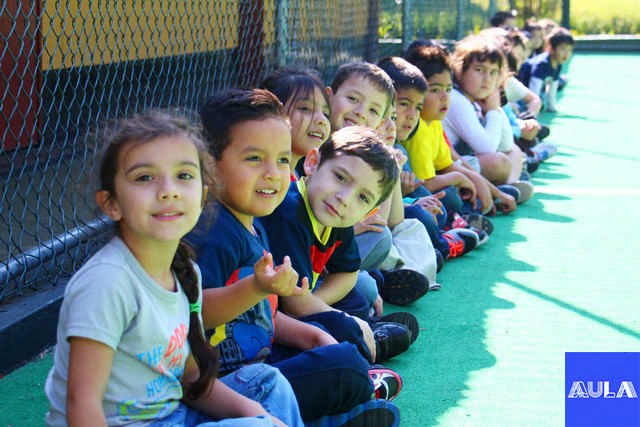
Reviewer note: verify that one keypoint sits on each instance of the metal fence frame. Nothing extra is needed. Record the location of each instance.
(52, 102)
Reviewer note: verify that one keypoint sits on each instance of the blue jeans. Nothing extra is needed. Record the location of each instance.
(373, 248)
(259, 382)
(442, 218)
(342, 328)
(326, 380)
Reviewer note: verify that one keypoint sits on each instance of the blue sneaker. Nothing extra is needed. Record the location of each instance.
(373, 413)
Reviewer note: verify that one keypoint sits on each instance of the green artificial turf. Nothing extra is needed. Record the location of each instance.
(558, 275)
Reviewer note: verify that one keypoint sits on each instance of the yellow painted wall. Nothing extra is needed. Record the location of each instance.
(84, 32)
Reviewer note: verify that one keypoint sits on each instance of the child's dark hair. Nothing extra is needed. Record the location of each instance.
(368, 71)
(364, 143)
(289, 83)
(430, 60)
(223, 111)
(140, 129)
(403, 74)
(532, 25)
(498, 19)
(559, 36)
(475, 48)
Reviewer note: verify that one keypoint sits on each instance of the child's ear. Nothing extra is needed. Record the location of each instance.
(108, 205)
(205, 192)
(329, 91)
(311, 162)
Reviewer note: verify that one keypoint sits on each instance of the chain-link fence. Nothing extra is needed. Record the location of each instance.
(68, 66)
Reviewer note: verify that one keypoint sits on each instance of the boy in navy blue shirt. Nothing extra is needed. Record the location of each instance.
(346, 178)
(541, 73)
(250, 141)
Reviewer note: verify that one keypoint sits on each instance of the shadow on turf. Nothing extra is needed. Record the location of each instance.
(452, 341)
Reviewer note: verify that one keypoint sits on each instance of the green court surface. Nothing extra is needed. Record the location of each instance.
(558, 275)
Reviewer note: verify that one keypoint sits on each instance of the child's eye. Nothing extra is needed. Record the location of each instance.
(304, 109)
(185, 176)
(253, 158)
(419, 107)
(144, 178)
(339, 176)
(374, 111)
(326, 113)
(352, 98)
(284, 160)
(449, 89)
(394, 118)
(364, 198)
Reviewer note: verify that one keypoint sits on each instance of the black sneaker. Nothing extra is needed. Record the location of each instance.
(402, 317)
(373, 413)
(483, 236)
(387, 383)
(460, 241)
(439, 260)
(402, 287)
(391, 339)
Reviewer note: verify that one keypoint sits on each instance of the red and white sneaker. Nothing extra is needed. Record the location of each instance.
(387, 383)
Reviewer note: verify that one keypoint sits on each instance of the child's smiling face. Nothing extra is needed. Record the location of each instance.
(309, 117)
(357, 102)
(342, 190)
(254, 168)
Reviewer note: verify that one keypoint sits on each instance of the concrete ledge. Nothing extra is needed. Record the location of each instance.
(607, 43)
(28, 326)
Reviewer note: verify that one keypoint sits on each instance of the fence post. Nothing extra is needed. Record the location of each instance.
(566, 21)
(373, 18)
(407, 31)
(282, 32)
(492, 8)
(459, 19)
(250, 41)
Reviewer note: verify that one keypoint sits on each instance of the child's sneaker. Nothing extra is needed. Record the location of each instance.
(387, 383)
(544, 150)
(403, 286)
(483, 236)
(510, 190)
(479, 222)
(526, 190)
(402, 317)
(373, 413)
(439, 262)
(458, 221)
(461, 241)
(391, 339)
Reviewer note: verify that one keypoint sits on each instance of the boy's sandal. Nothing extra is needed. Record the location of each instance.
(479, 221)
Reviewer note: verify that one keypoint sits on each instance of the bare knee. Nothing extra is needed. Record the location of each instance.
(496, 167)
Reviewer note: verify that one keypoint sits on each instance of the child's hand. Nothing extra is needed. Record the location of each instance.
(506, 203)
(375, 222)
(491, 102)
(367, 335)
(408, 182)
(431, 203)
(281, 280)
(323, 338)
(378, 306)
(468, 191)
(276, 422)
(401, 159)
